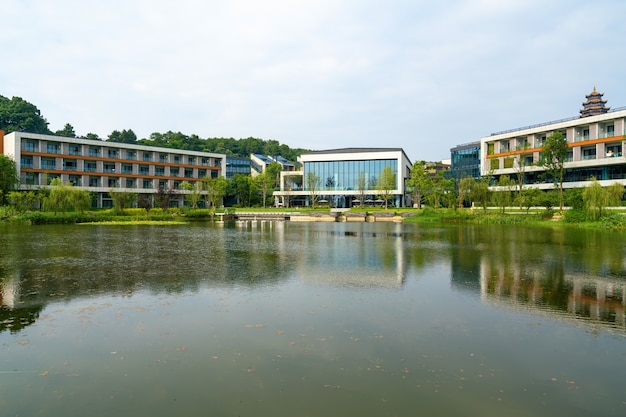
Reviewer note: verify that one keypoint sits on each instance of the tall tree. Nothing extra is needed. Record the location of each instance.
(125, 136)
(216, 190)
(67, 131)
(552, 158)
(194, 195)
(312, 183)
(18, 115)
(386, 184)
(416, 182)
(361, 188)
(122, 200)
(8, 176)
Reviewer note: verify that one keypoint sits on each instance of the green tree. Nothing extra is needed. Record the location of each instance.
(8, 176)
(386, 184)
(216, 190)
(242, 187)
(312, 184)
(81, 199)
(417, 182)
(552, 158)
(59, 199)
(502, 197)
(67, 131)
(22, 200)
(465, 190)
(125, 136)
(265, 184)
(598, 198)
(92, 136)
(480, 192)
(18, 115)
(361, 188)
(194, 193)
(122, 200)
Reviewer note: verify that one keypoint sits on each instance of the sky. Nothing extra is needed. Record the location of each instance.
(424, 76)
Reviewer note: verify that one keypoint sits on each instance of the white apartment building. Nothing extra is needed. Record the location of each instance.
(100, 166)
(596, 141)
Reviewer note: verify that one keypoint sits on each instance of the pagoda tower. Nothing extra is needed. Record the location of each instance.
(594, 104)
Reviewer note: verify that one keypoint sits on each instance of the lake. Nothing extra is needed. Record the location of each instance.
(256, 319)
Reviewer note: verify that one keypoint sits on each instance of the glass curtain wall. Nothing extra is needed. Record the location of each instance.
(344, 175)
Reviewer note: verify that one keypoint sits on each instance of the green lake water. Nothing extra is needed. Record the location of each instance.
(288, 319)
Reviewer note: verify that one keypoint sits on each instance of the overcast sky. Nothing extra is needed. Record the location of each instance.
(421, 75)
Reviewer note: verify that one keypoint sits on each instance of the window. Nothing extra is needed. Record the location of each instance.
(112, 153)
(504, 146)
(589, 153)
(147, 156)
(177, 159)
(75, 150)
(131, 155)
(191, 160)
(163, 157)
(174, 171)
(144, 170)
(75, 180)
(94, 181)
(188, 172)
(147, 183)
(90, 166)
(94, 151)
(69, 165)
(127, 169)
(130, 183)
(495, 163)
(205, 162)
(201, 173)
(160, 171)
(48, 163)
(109, 168)
(508, 162)
(26, 161)
(53, 148)
(30, 146)
(490, 149)
(113, 182)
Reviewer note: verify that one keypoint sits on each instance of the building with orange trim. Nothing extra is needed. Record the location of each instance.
(100, 166)
(596, 141)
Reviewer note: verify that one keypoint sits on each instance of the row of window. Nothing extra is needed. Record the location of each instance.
(27, 161)
(96, 151)
(35, 178)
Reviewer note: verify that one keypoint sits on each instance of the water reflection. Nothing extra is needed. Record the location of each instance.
(572, 273)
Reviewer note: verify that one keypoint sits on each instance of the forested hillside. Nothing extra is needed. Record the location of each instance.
(17, 114)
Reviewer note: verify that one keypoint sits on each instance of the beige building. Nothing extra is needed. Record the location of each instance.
(100, 166)
(595, 140)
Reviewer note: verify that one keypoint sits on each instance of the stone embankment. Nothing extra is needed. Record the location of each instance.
(333, 216)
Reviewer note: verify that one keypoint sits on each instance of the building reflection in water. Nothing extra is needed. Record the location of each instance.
(579, 296)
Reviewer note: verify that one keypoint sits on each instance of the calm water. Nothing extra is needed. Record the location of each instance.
(289, 319)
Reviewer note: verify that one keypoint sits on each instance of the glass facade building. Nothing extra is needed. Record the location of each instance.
(344, 175)
(338, 171)
(465, 161)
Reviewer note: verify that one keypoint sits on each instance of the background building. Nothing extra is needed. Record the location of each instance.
(100, 167)
(465, 161)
